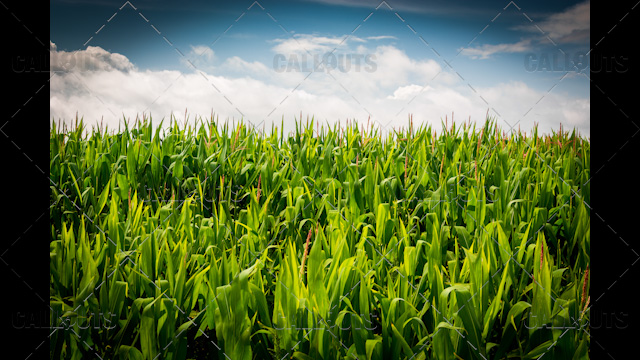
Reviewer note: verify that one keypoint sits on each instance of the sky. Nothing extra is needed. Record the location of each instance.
(523, 62)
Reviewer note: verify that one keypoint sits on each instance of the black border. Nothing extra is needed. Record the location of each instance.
(24, 149)
(614, 105)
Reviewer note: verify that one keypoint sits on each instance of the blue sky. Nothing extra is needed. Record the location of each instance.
(127, 67)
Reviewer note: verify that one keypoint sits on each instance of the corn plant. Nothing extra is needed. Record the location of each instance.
(214, 240)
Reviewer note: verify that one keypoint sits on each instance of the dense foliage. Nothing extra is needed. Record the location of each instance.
(219, 241)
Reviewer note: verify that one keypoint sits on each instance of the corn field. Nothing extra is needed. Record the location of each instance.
(218, 241)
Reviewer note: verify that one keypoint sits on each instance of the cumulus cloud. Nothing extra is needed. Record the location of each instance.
(398, 85)
(94, 58)
(406, 92)
(201, 57)
(203, 51)
(391, 68)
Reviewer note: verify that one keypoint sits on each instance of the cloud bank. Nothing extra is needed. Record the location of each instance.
(107, 86)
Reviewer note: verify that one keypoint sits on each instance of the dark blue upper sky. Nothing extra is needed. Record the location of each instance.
(447, 25)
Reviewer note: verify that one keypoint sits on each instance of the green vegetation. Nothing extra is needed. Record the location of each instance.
(224, 243)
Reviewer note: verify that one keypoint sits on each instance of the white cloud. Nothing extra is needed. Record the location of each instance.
(237, 64)
(574, 112)
(116, 87)
(381, 37)
(303, 43)
(407, 92)
(200, 56)
(485, 51)
(204, 52)
(518, 103)
(391, 68)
